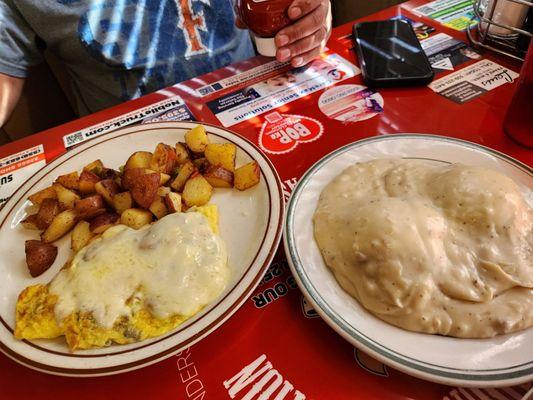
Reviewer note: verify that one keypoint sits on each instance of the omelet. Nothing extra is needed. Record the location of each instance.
(130, 285)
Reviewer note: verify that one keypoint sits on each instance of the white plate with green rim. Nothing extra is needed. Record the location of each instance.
(504, 360)
(250, 225)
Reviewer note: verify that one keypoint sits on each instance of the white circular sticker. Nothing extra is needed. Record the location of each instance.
(350, 103)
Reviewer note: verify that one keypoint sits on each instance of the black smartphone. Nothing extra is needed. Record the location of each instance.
(390, 54)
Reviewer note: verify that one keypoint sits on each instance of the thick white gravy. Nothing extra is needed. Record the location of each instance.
(177, 266)
(434, 248)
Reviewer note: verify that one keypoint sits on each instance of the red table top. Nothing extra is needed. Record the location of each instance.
(311, 359)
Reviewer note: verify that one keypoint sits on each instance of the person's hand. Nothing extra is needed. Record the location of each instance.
(306, 37)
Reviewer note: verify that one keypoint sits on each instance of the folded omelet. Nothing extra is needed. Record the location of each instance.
(129, 285)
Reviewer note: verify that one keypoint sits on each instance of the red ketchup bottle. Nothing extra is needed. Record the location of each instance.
(518, 123)
(264, 18)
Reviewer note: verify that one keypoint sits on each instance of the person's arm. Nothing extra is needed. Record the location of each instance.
(304, 39)
(10, 90)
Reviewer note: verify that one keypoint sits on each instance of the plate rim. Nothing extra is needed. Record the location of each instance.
(352, 334)
(271, 226)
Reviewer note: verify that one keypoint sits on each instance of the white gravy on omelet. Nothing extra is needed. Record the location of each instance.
(444, 249)
(176, 266)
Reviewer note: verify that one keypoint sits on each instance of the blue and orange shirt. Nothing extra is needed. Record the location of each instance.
(115, 50)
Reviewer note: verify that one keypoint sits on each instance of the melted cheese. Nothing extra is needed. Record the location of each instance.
(443, 249)
(175, 267)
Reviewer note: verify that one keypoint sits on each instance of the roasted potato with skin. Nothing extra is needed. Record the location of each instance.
(80, 236)
(173, 202)
(201, 164)
(70, 181)
(158, 207)
(95, 167)
(222, 154)
(46, 193)
(131, 175)
(162, 191)
(182, 153)
(48, 209)
(103, 222)
(217, 176)
(247, 176)
(197, 191)
(87, 181)
(90, 207)
(139, 159)
(122, 201)
(136, 218)
(196, 139)
(144, 189)
(30, 222)
(60, 225)
(163, 159)
(66, 197)
(109, 173)
(184, 173)
(107, 188)
(164, 178)
(39, 256)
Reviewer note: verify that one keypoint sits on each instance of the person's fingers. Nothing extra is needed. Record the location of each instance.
(299, 8)
(305, 26)
(305, 58)
(303, 45)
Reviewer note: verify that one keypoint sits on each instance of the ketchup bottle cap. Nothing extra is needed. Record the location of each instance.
(265, 46)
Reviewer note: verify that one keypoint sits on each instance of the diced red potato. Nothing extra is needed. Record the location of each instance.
(30, 222)
(90, 207)
(107, 188)
(182, 153)
(87, 181)
(184, 173)
(144, 189)
(70, 181)
(247, 176)
(122, 201)
(95, 167)
(47, 211)
(158, 207)
(102, 222)
(46, 193)
(173, 202)
(60, 225)
(217, 176)
(197, 191)
(163, 159)
(39, 256)
(139, 159)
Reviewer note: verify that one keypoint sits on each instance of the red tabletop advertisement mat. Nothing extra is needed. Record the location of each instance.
(275, 346)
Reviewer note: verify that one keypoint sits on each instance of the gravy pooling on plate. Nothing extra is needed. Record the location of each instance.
(434, 248)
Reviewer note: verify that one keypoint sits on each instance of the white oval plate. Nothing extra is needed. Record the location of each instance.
(501, 361)
(250, 224)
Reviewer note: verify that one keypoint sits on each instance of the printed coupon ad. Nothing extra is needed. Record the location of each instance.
(171, 109)
(445, 53)
(422, 30)
(17, 168)
(281, 133)
(472, 81)
(350, 103)
(272, 93)
(243, 77)
(455, 14)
